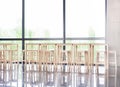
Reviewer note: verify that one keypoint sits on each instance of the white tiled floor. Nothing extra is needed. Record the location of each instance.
(35, 78)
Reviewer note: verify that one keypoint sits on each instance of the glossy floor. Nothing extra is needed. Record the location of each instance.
(17, 76)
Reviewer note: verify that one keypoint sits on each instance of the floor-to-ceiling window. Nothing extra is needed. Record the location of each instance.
(51, 21)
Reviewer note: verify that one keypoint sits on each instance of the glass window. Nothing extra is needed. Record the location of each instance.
(10, 18)
(43, 18)
(85, 18)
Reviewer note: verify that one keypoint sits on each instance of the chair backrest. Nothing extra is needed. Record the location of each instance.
(65, 53)
(8, 52)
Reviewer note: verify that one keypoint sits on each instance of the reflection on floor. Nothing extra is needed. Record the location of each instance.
(8, 75)
(15, 77)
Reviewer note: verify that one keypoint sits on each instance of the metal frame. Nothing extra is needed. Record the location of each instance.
(105, 19)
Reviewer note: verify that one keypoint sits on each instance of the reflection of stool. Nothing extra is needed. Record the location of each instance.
(49, 79)
(31, 78)
(101, 80)
(34, 78)
(65, 80)
(5, 78)
(82, 80)
(14, 72)
(31, 65)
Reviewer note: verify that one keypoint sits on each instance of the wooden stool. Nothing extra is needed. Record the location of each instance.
(82, 57)
(101, 59)
(99, 55)
(65, 56)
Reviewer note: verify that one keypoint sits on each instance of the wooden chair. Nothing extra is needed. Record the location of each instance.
(82, 57)
(48, 55)
(50, 59)
(99, 56)
(65, 56)
(101, 59)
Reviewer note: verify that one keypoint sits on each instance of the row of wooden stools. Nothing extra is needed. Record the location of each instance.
(66, 57)
(57, 57)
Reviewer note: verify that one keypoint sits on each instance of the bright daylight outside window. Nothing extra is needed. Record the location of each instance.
(85, 18)
(10, 18)
(43, 18)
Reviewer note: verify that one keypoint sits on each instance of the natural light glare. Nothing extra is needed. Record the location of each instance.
(85, 18)
(44, 18)
(10, 17)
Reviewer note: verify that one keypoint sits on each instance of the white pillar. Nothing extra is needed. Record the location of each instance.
(113, 26)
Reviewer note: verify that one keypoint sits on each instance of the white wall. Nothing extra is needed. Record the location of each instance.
(113, 26)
